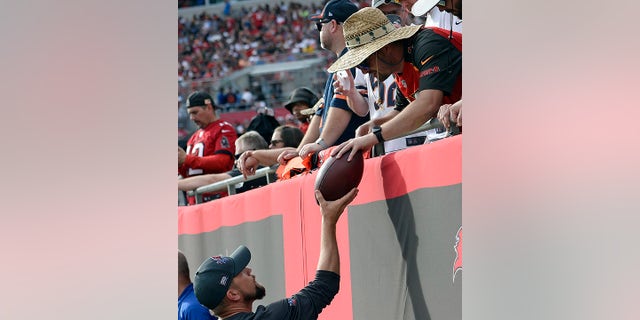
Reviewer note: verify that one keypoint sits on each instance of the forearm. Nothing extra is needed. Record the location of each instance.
(268, 157)
(384, 119)
(358, 103)
(195, 182)
(337, 121)
(216, 163)
(329, 259)
(414, 115)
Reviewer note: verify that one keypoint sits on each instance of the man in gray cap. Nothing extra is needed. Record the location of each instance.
(226, 285)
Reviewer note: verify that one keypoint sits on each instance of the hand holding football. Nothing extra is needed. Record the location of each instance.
(337, 177)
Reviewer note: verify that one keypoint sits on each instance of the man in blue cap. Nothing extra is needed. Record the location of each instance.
(226, 285)
(335, 122)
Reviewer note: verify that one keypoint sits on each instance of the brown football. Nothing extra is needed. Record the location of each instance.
(337, 177)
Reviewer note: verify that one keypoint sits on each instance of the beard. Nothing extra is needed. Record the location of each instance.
(258, 294)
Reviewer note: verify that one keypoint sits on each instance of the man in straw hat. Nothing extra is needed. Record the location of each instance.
(427, 64)
(381, 92)
(226, 285)
(335, 122)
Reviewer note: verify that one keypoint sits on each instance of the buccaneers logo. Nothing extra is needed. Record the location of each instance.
(457, 263)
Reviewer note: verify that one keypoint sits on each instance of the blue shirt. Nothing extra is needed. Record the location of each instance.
(189, 308)
(331, 100)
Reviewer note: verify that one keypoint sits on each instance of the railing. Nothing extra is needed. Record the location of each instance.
(431, 124)
(230, 184)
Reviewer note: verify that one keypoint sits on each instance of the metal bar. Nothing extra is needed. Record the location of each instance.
(231, 182)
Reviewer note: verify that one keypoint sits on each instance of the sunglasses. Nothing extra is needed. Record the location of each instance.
(322, 22)
(274, 142)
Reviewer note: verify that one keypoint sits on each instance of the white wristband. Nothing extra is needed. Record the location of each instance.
(320, 141)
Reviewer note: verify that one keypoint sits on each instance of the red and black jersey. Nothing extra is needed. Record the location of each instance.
(433, 60)
(210, 150)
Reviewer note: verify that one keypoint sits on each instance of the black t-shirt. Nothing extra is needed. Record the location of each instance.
(306, 304)
(436, 64)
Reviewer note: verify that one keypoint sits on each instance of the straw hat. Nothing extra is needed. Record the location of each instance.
(365, 32)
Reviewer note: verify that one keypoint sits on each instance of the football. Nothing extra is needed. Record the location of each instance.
(337, 177)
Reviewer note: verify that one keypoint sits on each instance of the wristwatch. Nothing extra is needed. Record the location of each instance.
(377, 131)
(320, 141)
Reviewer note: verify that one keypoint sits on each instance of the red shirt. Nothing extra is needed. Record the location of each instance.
(304, 126)
(210, 150)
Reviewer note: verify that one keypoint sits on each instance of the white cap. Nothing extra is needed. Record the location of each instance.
(423, 6)
(377, 3)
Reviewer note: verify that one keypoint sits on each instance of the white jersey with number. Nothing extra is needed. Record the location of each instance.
(381, 99)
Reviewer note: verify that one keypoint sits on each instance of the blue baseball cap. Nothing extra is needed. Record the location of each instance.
(338, 10)
(214, 276)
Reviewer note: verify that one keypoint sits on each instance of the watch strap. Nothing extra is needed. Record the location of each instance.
(377, 131)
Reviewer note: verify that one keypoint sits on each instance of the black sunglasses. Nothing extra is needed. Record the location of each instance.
(274, 142)
(321, 22)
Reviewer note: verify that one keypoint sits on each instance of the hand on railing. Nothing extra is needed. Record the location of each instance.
(287, 155)
(247, 164)
(451, 113)
(309, 148)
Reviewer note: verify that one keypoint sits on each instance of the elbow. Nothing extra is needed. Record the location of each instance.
(360, 113)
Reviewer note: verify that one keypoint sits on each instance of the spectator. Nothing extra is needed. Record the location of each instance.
(227, 286)
(284, 138)
(300, 99)
(335, 122)
(264, 121)
(188, 306)
(247, 97)
(211, 148)
(381, 94)
(431, 73)
(232, 98)
(227, 8)
(247, 142)
(438, 14)
(421, 7)
(222, 97)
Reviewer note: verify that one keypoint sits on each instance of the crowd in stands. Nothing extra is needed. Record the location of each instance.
(346, 117)
(211, 46)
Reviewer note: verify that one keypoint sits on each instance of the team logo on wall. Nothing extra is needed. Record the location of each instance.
(457, 263)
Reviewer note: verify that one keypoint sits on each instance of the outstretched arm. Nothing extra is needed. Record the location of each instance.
(329, 259)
